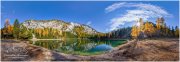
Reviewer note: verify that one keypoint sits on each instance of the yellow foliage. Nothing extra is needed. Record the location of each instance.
(135, 32)
(149, 29)
(10, 29)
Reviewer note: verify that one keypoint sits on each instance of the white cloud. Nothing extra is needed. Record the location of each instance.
(114, 6)
(88, 23)
(145, 11)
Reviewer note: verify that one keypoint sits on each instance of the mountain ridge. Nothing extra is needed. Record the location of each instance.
(58, 24)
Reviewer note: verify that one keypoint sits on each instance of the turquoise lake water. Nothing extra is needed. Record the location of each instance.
(79, 46)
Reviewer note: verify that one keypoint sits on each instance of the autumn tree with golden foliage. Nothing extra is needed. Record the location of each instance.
(135, 32)
(149, 29)
(47, 33)
(7, 31)
(79, 30)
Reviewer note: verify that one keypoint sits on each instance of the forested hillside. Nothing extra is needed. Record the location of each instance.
(55, 29)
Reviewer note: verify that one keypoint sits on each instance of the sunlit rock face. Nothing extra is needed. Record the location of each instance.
(57, 24)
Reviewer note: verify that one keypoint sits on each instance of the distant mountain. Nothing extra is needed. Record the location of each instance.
(58, 24)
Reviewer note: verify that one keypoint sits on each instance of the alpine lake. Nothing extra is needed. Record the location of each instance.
(79, 46)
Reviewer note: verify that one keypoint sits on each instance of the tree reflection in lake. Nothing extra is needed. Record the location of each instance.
(78, 45)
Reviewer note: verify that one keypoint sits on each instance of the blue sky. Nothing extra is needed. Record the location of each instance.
(103, 16)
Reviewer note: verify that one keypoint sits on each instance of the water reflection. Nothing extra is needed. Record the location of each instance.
(80, 45)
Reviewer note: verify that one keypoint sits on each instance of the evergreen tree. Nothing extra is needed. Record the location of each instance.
(25, 33)
(16, 29)
(173, 32)
(176, 31)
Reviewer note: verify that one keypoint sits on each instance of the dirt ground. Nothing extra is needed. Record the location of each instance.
(133, 50)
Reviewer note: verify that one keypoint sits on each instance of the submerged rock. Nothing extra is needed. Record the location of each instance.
(102, 47)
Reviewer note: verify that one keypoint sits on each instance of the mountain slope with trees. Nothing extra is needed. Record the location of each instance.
(56, 29)
(47, 29)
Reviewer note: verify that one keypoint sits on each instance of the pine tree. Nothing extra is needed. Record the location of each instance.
(25, 33)
(173, 32)
(16, 29)
(176, 31)
(64, 28)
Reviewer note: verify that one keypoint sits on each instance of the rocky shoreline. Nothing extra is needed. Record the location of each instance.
(143, 50)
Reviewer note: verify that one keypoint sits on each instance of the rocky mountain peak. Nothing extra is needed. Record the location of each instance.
(57, 24)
